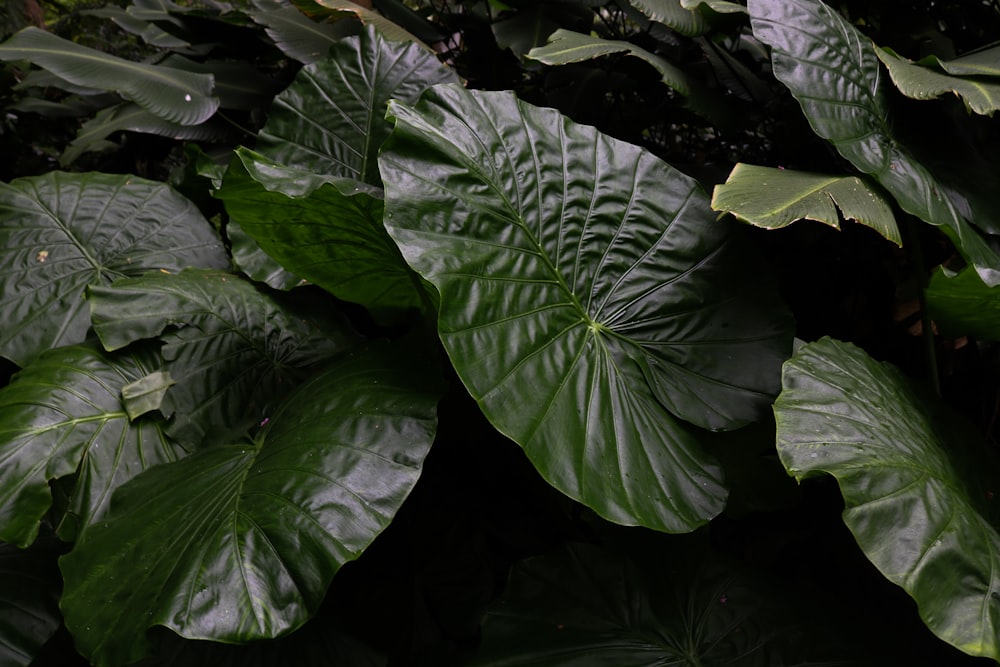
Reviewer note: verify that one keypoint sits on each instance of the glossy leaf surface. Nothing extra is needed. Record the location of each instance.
(585, 286)
(29, 601)
(247, 537)
(331, 120)
(718, 6)
(917, 514)
(61, 232)
(672, 13)
(833, 72)
(61, 415)
(374, 19)
(922, 83)
(775, 198)
(982, 62)
(235, 351)
(257, 264)
(962, 305)
(298, 36)
(324, 229)
(174, 95)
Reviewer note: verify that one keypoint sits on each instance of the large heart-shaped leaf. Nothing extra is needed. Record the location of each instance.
(962, 305)
(775, 198)
(236, 352)
(833, 72)
(29, 601)
(63, 414)
(61, 232)
(331, 120)
(239, 542)
(325, 229)
(176, 96)
(585, 286)
(916, 513)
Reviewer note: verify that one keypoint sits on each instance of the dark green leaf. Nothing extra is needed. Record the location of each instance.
(984, 62)
(718, 6)
(672, 13)
(962, 305)
(833, 72)
(238, 84)
(29, 601)
(525, 30)
(239, 542)
(256, 263)
(775, 198)
(146, 394)
(386, 28)
(587, 293)
(324, 229)
(913, 510)
(331, 120)
(300, 37)
(180, 97)
(61, 232)
(235, 352)
(63, 414)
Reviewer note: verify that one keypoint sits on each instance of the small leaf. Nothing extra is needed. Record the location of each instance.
(146, 394)
(962, 305)
(775, 198)
(922, 83)
(917, 515)
(240, 542)
(61, 232)
(176, 96)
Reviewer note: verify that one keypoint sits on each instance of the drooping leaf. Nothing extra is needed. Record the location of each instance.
(525, 30)
(331, 120)
(983, 62)
(61, 415)
(922, 83)
(962, 305)
(146, 394)
(238, 85)
(566, 46)
(300, 37)
(387, 28)
(257, 264)
(240, 542)
(61, 232)
(775, 198)
(29, 601)
(833, 72)
(236, 350)
(176, 96)
(672, 13)
(914, 511)
(585, 286)
(324, 229)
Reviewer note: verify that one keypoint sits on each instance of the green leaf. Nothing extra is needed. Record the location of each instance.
(962, 305)
(387, 28)
(176, 96)
(566, 46)
(775, 198)
(673, 14)
(146, 394)
(300, 37)
(29, 601)
(912, 509)
(586, 294)
(61, 415)
(526, 29)
(324, 229)
(61, 232)
(240, 542)
(833, 72)
(984, 62)
(718, 6)
(257, 264)
(235, 352)
(238, 85)
(922, 83)
(331, 120)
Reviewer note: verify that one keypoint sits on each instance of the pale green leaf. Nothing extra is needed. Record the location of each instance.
(962, 305)
(672, 13)
(146, 394)
(387, 28)
(922, 83)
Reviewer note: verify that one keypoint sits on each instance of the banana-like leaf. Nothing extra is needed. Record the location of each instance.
(29, 601)
(566, 46)
(240, 542)
(61, 415)
(922, 83)
(775, 198)
(61, 232)
(833, 72)
(176, 96)
(587, 293)
(984, 62)
(672, 13)
(237, 351)
(238, 85)
(300, 37)
(915, 512)
(331, 120)
(962, 305)
(387, 28)
(326, 230)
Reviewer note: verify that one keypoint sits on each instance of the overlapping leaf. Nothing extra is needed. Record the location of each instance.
(247, 537)
(915, 512)
(331, 120)
(585, 286)
(833, 72)
(63, 414)
(775, 198)
(235, 350)
(672, 13)
(962, 305)
(922, 83)
(61, 232)
(298, 36)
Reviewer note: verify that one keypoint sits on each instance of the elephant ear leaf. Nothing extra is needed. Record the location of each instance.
(240, 542)
(589, 299)
(61, 232)
(915, 507)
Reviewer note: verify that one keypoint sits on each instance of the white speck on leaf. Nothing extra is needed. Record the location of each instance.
(187, 98)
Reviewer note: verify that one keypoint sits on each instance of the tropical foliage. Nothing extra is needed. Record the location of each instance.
(481, 333)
